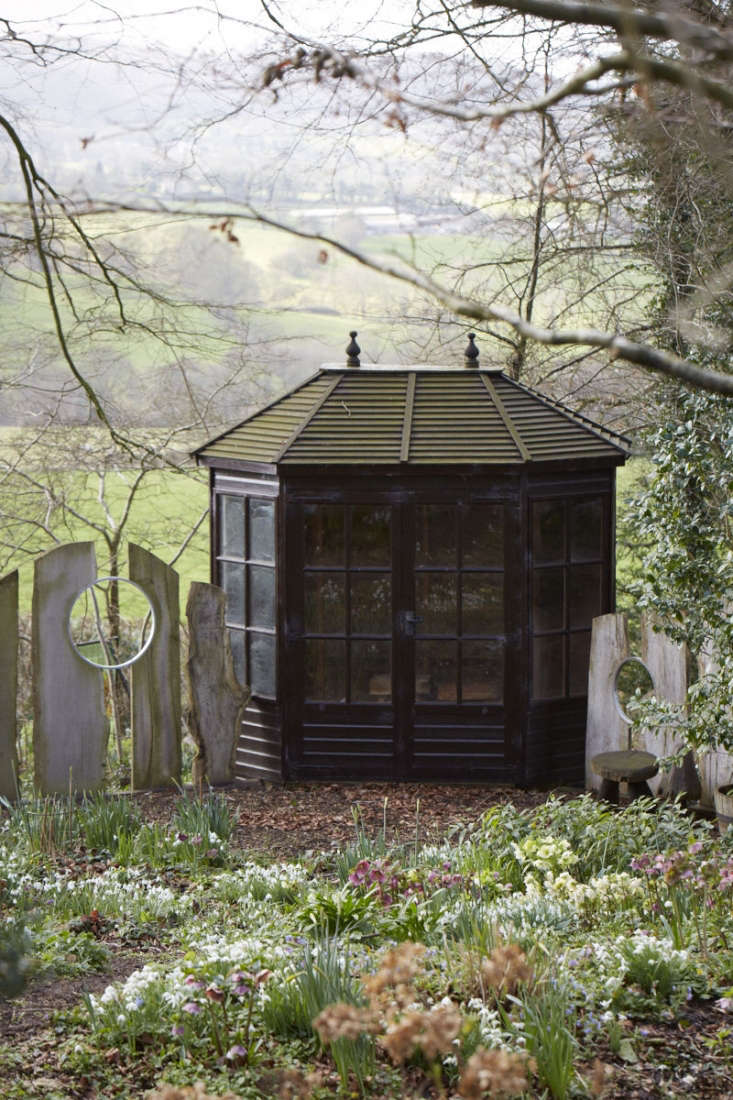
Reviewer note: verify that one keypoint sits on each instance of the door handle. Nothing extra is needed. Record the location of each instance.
(409, 621)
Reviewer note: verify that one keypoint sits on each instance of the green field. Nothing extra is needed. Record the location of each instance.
(162, 515)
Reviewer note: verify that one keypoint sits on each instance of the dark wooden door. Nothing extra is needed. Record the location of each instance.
(459, 639)
(402, 630)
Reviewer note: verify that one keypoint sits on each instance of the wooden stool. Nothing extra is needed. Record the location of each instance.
(627, 766)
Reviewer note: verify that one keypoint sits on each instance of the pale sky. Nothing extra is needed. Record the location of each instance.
(187, 25)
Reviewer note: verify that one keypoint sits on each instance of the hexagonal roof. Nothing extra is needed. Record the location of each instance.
(413, 416)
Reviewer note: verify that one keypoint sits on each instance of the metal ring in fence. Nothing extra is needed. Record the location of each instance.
(145, 641)
(616, 701)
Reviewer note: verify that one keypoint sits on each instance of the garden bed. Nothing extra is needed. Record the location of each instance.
(174, 940)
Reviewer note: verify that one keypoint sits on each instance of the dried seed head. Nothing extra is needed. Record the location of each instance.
(401, 1037)
(187, 1092)
(343, 1021)
(295, 1085)
(440, 1027)
(600, 1078)
(494, 1073)
(432, 1032)
(505, 969)
(397, 969)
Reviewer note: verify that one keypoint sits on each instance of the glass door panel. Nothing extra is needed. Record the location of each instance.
(435, 535)
(347, 603)
(371, 672)
(436, 603)
(436, 672)
(459, 603)
(325, 670)
(371, 603)
(483, 535)
(325, 603)
(482, 608)
(371, 542)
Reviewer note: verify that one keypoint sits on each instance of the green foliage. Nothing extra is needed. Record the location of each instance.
(549, 1030)
(606, 841)
(323, 978)
(67, 953)
(653, 976)
(612, 912)
(685, 519)
(202, 816)
(47, 825)
(338, 911)
(15, 956)
(364, 846)
(104, 821)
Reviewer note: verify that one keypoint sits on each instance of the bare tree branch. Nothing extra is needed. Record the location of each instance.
(670, 26)
(642, 355)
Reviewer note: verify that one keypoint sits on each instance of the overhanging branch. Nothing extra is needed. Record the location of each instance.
(618, 345)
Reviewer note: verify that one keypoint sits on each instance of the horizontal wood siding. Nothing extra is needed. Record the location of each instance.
(345, 742)
(459, 743)
(556, 743)
(259, 750)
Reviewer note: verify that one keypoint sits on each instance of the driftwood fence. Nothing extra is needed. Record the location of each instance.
(606, 730)
(70, 726)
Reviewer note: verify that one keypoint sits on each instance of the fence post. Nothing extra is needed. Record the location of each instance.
(9, 686)
(606, 731)
(217, 698)
(667, 664)
(155, 679)
(69, 722)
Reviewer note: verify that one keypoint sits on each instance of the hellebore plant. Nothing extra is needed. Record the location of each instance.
(689, 882)
(223, 1006)
(391, 882)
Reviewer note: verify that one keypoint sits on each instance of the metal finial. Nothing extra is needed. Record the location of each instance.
(353, 350)
(471, 353)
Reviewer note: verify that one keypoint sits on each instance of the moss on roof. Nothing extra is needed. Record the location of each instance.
(412, 416)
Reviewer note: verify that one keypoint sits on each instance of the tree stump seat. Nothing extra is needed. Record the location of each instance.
(630, 766)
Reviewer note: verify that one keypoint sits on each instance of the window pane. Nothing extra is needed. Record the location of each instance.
(548, 531)
(232, 581)
(236, 638)
(261, 529)
(325, 671)
(231, 526)
(482, 670)
(548, 668)
(584, 596)
(483, 603)
(261, 596)
(547, 599)
(483, 535)
(262, 664)
(579, 662)
(585, 530)
(371, 603)
(324, 534)
(371, 672)
(435, 535)
(436, 598)
(325, 603)
(371, 543)
(435, 671)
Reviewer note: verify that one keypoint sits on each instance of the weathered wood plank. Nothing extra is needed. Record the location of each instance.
(9, 685)
(155, 679)
(217, 698)
(716, 767)
(605, 729)
(667, 664)
(69, 723)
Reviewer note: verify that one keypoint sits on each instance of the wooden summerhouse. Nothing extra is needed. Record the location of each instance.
(413, 557)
